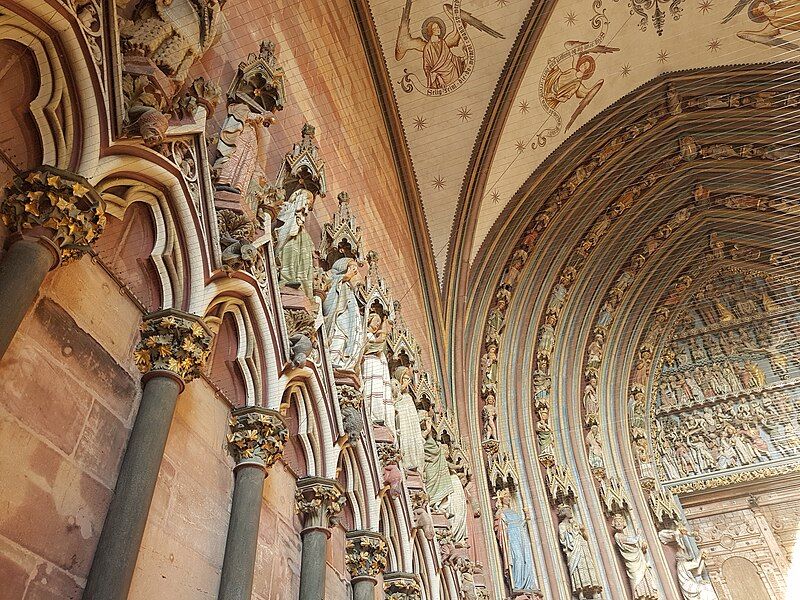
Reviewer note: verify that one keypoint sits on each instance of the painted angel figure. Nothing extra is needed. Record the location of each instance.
(779, 17)
(560, 85)
(442, 66)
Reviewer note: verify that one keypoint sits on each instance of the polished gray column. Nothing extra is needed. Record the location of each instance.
(257, 439)
(318, 501)
(53, 216)
(173, 351)
(22, 271)
(366, 559)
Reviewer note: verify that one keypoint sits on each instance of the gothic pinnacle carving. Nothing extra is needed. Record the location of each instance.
(257, 434)
(173, 341)
(367, 554)
(319, 501)
(62, 204)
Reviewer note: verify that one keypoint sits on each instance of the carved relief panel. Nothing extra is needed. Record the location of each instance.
(728, 388)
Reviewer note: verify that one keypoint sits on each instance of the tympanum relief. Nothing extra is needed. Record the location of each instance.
(728, 391)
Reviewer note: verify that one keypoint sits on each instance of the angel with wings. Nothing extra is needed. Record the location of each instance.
(562, 85)
(442, 65)
(779, 17)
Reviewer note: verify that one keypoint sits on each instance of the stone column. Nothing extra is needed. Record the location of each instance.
(258, 436)
(53, 217)
(366, 559)
(401, 586)
(319, 501)
(173, 351)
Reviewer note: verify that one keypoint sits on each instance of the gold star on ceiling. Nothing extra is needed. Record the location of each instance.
(464, 113)
(520, 146)
(502, 2)
(626, 70)
(438, 182)
(663, 56)
(705, 6)
(495, 197)
(524, 107)
(570, 18)
(714, 45)
(420, 123)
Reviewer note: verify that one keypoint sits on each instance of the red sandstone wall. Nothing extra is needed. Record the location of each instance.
(68, 395)
(68, 389)
(328, 84)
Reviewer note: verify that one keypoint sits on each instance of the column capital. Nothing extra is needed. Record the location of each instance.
(173, 342)
(367, 554)
(258, 436)
(401, 586)
(319, 502)
(59, 208)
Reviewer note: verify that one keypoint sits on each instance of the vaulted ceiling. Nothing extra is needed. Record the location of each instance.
(477, 109)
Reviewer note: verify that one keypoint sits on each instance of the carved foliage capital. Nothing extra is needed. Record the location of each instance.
(173, 341)
(349, 396)
(389, 454)
(367, 554)
(401, 586)
(319, 501)
(63, 204)
(257, 434)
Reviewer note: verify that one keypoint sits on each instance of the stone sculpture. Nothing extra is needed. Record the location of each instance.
(632, 548)
(515, 545)
(294, 250)
(343, 320)
(412, 444)
(172, 34)
(375, 373)
(437, 471)
(238, 148)
(580, 565)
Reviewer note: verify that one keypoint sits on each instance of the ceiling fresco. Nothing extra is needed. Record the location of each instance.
(445, 59)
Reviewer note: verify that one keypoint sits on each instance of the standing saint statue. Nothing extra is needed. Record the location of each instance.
(515, 544)
(412, 444)
(343, 315)
(241, 143)
(294, 250)
(457, 507)
(437, 471)
(580, 565)
(632, 548)
(375, 373)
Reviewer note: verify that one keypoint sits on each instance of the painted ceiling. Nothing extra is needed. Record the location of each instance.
(445, 60)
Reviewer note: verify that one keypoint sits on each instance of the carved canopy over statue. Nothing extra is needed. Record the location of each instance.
(172, 33)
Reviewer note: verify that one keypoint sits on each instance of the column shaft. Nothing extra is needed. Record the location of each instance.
(115, 557)
(364, 589)
(314, 564)
(22, 271)
(236, 582)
